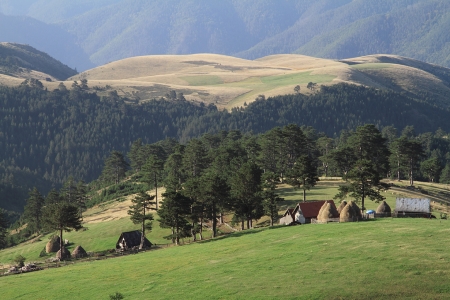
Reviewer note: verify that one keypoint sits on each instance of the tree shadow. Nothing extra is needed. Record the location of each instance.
(238, 234)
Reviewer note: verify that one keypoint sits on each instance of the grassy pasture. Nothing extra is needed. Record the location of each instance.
(105, 222)
(391, 258)
(265, 85)
(371, 66)
(200, 80)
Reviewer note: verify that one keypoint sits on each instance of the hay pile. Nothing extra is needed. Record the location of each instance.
(65, 254)
(357, 210)
(341, 206)
(79, 252)
(384, 209)
(326, 212)
(350, 213)
(321, 210)
(53, 244)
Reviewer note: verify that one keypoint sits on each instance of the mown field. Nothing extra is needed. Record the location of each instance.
(391, 258)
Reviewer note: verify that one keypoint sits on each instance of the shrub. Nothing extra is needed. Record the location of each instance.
(20, 261)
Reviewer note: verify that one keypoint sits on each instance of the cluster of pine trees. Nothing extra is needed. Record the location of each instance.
(237, 173)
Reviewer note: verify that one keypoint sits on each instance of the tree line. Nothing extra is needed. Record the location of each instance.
(71, 130)
(236, 173)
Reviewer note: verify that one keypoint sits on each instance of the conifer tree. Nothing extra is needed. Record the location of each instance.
(33, 210)
(138, 212)
(61, 216)
(303, 175)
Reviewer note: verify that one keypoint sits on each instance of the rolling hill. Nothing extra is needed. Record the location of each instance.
(230, 82)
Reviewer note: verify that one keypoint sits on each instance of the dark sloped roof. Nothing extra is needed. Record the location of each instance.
(289, 211)
(132, 239)
(311, 209)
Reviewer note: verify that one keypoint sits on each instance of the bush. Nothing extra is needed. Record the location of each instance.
(20, 261)
(116, 296)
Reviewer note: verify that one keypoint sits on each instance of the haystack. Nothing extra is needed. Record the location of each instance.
(319, 214)
(53, 244)
(384, 209)
(328, 212)
(347, 214)
(79, 252)
(65, 254)
(357, 211)
(341, 206)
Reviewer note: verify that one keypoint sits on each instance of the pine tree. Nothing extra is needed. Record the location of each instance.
(371, 165)
(151, 172)
(61, 216)
(33, 210)
(246, 191)
(115, 168)
(303, 174)
(3, 228)
(139, 213)
(173, 214)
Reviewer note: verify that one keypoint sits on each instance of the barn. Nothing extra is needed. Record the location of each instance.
(131, 240)
(304, 212)
(412, 207)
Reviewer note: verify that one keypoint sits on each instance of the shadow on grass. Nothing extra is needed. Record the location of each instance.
(242, 233)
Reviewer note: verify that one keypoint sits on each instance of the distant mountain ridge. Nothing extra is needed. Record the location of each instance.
(48, 38)
(16, 59)
(336, 29)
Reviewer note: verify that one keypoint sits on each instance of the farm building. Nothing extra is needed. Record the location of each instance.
(288, 217)
(131, 239)
(412, 207)
(304, 212)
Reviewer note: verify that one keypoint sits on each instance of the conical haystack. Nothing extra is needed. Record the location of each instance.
(319, 215)
(384, 209)
(65, 254)
(347, 214)
(79, 252)
(341, 206)
(52, 245)
(327, 213)
(357, 211)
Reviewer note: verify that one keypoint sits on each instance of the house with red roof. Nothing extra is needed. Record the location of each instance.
(305, 211)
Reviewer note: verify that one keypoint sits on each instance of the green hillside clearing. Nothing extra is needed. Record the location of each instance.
(392, 258)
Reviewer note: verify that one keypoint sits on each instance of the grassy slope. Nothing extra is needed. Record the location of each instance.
(392, 258)
(229, 82)
(110, 219)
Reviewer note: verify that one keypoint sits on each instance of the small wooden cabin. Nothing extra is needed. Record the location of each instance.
(288, 217)
(131, 239)
(304, 212)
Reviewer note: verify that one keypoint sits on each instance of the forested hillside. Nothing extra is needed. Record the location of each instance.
(112, 30)
(71, 132)
(16, 59)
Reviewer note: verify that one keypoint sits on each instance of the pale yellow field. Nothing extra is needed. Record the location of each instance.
(114, 210)
(230, 82)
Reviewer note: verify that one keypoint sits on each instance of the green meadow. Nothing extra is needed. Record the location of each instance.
(377, 259)
(383, 259)
(261, 85)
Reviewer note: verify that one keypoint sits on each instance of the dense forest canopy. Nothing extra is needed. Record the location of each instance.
(71, 132)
